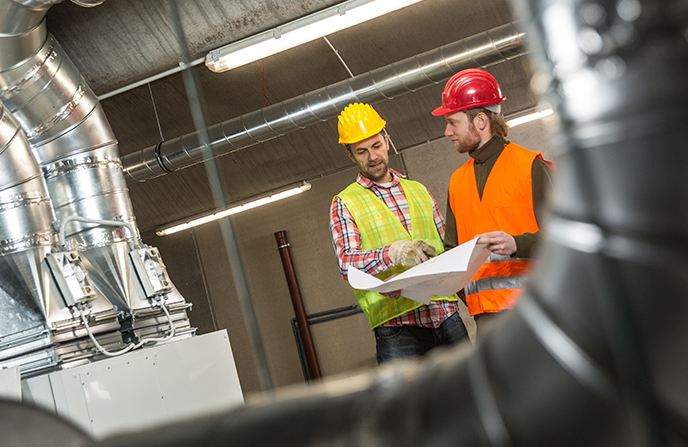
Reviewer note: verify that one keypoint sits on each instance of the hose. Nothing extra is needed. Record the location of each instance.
(130, 346)
(99, 222)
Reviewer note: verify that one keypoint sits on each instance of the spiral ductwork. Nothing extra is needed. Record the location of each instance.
(488, 48)
(59, 163)
(594, 352)
(71, 139)
(73, 143)
(26, 235)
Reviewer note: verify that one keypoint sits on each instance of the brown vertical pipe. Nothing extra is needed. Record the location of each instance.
(297, 302)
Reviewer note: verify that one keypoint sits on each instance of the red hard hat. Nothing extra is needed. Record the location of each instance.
(467, 89)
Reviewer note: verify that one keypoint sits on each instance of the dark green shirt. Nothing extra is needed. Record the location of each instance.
(484, 159)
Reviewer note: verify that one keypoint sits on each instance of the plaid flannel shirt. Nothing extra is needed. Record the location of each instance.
(346, 241)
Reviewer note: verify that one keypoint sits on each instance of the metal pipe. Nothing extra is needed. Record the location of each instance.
(333, 314)
(148, 80)
(481, 50)
(59, 162)
(29, 307)
(25, 211)
(297, 301)
(64, 123)
(70, 138)
(104, 223)
(72, 141)
(26, 235)
(299, 349)
(19, 24)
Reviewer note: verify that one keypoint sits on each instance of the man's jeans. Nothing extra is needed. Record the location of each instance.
(413, 341)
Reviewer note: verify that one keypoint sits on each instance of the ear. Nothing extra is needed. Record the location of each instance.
(481, 121)
(348, 152)
(387, 141)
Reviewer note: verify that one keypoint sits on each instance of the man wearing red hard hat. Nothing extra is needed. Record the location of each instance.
(498, 194)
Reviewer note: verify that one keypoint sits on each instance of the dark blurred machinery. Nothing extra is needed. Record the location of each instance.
(593, 355)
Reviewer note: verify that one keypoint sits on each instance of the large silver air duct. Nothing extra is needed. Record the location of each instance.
(488, 48)
(26, 236)
(594, 354)
(60, 170)
(74, 145)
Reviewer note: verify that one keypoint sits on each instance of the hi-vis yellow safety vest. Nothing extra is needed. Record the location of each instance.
(506, 205)
(379, 227)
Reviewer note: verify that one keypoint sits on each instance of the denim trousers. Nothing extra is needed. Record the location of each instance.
(414, 341)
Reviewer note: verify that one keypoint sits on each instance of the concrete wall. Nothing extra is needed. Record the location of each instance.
(198, 265)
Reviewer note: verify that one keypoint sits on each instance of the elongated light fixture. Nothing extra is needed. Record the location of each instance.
(529, 117)
(300, 31)
(305, 186)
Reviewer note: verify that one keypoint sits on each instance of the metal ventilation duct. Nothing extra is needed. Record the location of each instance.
(72, 141)
(488, 48)
(58, 161)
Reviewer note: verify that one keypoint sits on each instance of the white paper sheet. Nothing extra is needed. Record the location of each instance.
(442, 275)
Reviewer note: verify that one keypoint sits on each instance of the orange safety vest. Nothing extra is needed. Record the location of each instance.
(506, 205)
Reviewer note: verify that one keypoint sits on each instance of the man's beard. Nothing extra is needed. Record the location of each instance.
(469, 144)
(373, 177)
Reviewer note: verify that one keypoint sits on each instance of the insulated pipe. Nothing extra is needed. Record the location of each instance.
(72, 141)
(26, 234)
(481, 50)
(594, 352)
(297, 301)
(70, 138)
(64, 123)
(25, 211)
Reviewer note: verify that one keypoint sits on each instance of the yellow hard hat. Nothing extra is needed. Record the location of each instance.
(358, 122)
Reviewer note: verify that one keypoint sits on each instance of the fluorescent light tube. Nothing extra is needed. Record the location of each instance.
(300, 31)
(234, 210)
(530, 117)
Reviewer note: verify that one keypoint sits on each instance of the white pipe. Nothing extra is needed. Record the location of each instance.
(104, 223)
(149, 79)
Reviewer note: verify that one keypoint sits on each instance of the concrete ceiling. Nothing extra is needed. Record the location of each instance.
(124, 41)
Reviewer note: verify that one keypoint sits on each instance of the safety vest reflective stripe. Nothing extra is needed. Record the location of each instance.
(499, 272)
(495, 283)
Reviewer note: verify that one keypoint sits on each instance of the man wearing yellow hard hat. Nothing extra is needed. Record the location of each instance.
(384, 224)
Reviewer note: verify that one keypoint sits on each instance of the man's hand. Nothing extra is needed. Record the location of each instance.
(498, 242)
(394, 295)
(410, 253)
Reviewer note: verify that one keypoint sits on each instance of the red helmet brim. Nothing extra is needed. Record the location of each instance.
(441, 111)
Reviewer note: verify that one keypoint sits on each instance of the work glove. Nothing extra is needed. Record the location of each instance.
(410, 253)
